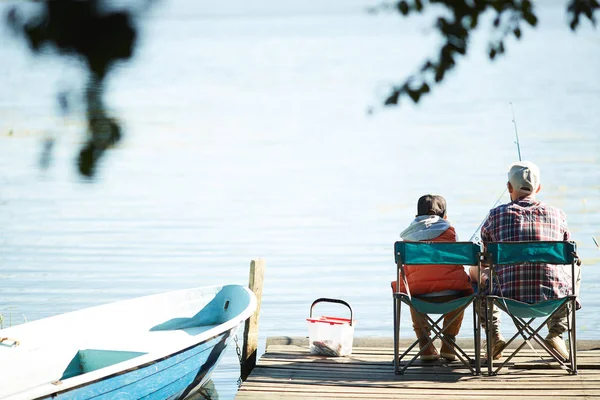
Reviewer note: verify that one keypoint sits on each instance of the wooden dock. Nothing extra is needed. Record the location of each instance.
(288, 371)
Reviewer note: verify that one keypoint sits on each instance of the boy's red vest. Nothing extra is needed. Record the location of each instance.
(436, 278)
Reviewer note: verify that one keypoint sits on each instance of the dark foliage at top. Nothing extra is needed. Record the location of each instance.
(462, 18)
(89, 31)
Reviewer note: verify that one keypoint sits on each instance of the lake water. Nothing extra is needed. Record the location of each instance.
(247, 136)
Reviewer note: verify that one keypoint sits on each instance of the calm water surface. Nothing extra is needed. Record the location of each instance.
(247, 136)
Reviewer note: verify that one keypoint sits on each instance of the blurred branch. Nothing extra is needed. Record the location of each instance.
(90, 31)
(462, 18)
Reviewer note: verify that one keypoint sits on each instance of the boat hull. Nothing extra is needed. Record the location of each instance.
(170, 349)
(174, 377)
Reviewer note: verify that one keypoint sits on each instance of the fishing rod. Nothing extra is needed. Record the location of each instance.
(514, 120)
(597, 245)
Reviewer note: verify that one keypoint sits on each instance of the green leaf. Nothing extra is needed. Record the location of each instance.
(497, 21)
(414, 95)
(427, 65)
(530, 18)
(392, 98)
(517, 33)
(403, 7)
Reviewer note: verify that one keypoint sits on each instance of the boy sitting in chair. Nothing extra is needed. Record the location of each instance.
(434, 283)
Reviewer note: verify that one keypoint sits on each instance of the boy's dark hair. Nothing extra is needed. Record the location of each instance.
(431, 205)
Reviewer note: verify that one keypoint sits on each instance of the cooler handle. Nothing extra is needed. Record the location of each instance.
(322, 299)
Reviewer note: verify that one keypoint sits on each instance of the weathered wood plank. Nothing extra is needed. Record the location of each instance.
(433, 391)
(387, 342)
(558, 387)
(398, 396)
(290, 372)
(257, 272)
(361, 356)
(334, 376)
(292, 349)
(310, 393)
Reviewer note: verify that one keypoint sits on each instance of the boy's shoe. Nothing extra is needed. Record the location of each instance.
(447, 351)
(430, 353)
(498, 344)
(558, 344)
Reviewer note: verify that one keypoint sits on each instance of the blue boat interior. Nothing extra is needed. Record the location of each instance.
(229, 302)
(90, 360)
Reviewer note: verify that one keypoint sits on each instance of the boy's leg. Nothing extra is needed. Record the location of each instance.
(422, 331)
(452, 323)
(451, 329)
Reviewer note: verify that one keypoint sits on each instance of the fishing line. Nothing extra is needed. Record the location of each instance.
(474, 237)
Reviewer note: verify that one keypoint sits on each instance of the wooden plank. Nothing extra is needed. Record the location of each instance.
(398, 396)
(542, 382)
(387, 343)
(459, 372)
(391, 396)
(308, 391)
(377, 378)
(502, 392)
(426, 386)
(290, 372)
(358, 352)
(275, 351)
(387, 366)
(257, 272)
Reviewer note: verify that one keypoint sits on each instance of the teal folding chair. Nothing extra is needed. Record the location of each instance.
(445, 253)
(522, 314)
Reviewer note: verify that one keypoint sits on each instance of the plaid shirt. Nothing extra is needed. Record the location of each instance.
(527, 220)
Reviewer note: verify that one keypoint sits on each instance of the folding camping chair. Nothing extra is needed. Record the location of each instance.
(445, 253)
(523, 314)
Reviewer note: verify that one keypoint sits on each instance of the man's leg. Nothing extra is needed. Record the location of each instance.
(497, 339)
(474, 275)
(559, 323)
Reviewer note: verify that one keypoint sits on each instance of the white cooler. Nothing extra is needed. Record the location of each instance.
(330, 336)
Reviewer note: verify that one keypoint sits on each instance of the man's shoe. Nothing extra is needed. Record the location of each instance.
(498, 344)
(558, 344)
(447, 351)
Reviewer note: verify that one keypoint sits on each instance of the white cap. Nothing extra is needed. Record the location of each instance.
(524, 176)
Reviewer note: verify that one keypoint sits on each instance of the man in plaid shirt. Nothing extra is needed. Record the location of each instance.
(527, 219)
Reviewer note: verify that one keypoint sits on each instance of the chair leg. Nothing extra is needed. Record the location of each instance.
(488, 335)
(396, 335)
(528, 333)
(477, 337)
(439, 333)
(522, 329)
(432, 324)
(573, 338)
(444, 332)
